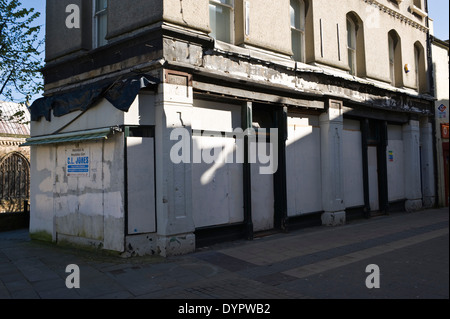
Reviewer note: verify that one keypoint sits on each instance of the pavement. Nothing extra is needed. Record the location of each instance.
(410, 250)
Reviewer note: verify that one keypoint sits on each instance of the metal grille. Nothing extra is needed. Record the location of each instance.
(14, 182)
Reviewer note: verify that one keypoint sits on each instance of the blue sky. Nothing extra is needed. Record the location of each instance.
(438, 11)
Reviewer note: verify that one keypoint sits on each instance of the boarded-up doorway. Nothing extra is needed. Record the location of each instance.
(140, 182)
(262, 189)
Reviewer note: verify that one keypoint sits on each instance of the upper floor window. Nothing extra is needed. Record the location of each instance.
(221, 19)
(419, 67)
(100, 22)
(417, 9)
(351, 45)
(355, 45)
(418, 3)
(298, 15)
(395, 2)
(392, 59)
(395, 59)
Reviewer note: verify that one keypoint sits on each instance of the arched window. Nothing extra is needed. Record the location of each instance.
(351, 45)
(298, 16)
(355, 45)
(419, 67)
(14, 181)
(392, 59)
(395, 59)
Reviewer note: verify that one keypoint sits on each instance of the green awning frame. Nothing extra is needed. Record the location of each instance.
(89, 135)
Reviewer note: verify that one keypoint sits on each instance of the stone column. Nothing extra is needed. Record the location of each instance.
(411, 148)
(174, 108)
(331, 127)
(426, 141)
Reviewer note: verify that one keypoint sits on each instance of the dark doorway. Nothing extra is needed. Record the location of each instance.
(268, 191)
(375, 167)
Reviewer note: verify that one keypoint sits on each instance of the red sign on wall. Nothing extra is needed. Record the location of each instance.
(444, 130)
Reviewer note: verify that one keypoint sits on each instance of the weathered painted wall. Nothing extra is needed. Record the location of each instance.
(87, 210)
(91, 209)
(217, 190)
(324, 157)
(332, 48)
(269, 29)
(331, 156)
(427, 162)
(123, 17)
(141, 216)
(42, 173)
(214, 116)
(62, 41)
(190, 13)
(269, 25)
(126, 16)
(175, 225)
(304, 185)
(411, 151)
(262, 193)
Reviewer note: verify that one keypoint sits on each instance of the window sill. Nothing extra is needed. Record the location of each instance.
(418, 11)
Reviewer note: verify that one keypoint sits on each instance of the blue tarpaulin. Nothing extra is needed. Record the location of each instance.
(119, 92)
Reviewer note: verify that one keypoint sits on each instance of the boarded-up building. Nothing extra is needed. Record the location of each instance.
(165, 122)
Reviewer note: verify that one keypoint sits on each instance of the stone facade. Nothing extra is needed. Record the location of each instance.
(350, 119)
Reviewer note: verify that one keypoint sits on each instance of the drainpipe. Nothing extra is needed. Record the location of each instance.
(429, 54)
(247, 123)
(432, 92)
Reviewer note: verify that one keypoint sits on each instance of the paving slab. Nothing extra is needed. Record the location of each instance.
(411, 250)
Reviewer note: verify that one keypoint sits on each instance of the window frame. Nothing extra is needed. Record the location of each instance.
(417, 66)
(418, 4)
(229, 7)
(392, 72)
(97, 15)
(351, 51)
(417, 8)
(420, 66)
(299, 55)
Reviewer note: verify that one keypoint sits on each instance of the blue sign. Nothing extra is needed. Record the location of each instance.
(77, 162)
(442, 114)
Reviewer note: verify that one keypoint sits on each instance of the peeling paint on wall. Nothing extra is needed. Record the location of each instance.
(80, 206)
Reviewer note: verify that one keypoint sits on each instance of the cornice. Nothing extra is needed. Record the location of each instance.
(397, 15)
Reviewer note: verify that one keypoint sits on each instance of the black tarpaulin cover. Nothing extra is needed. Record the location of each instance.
(120, 93)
